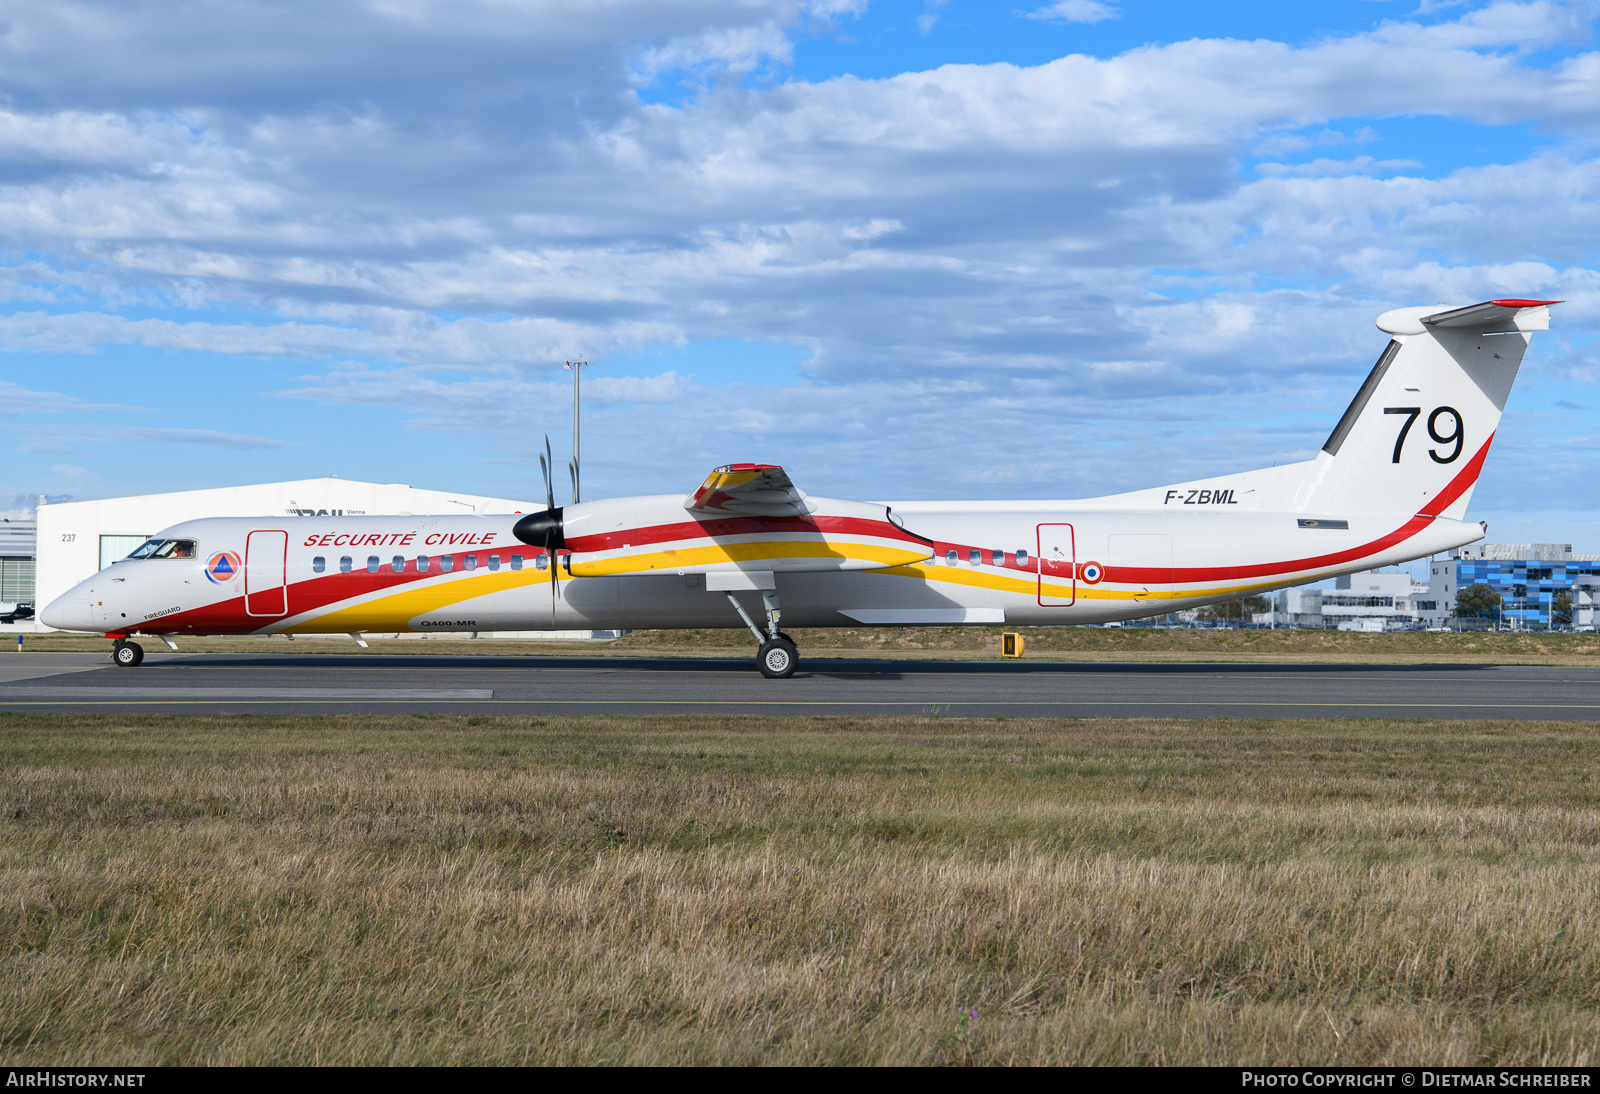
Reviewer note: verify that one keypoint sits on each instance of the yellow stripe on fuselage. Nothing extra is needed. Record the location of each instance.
(712, 554)
(395, 610)
(933, 571)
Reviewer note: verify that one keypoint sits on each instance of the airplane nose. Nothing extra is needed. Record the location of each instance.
(69, 612)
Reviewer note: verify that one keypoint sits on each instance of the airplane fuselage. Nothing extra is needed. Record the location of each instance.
(1025, 564)
(1391, 484)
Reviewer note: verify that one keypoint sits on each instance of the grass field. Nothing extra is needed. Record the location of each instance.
(444, 890)
(1043, 643)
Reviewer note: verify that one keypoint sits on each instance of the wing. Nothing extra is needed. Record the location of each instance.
(749, 489)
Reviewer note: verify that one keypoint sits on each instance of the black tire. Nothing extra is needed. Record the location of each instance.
(777, 659)
(127, 655)
(786, 638)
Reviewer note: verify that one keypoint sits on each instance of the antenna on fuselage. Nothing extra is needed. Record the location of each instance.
(573, 367)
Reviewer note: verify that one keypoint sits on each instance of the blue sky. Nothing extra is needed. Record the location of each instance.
(908, 249)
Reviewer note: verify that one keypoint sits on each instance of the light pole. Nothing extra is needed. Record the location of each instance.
(573, 367)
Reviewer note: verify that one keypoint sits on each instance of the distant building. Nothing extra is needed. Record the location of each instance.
(1374, 600)
(18, 552)
(1528, 576)
(1297, 608)
(1371, 600)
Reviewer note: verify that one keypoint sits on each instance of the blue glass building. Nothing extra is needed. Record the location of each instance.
(1527, 576)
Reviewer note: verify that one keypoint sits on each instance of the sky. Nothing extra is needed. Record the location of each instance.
(908, 249)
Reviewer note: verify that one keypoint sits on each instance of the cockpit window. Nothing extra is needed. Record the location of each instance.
(165, 548)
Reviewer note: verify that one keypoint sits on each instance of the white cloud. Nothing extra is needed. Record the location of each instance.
(16, 400)
(300, 54)
(723, 50)
(1075, 11)
(56, 439)
(1037, 261)
(1361, 165)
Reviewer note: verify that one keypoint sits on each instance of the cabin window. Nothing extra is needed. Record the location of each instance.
(318, 564)
(373, 562)
(344, 564)
(422, 564)
(997, 557)
(398, 564)
(1022, 557)
(516, 562)
(470, 561)
(494, 562)
(950, 557)
(541, 561)
(975, 558)
(445, 563)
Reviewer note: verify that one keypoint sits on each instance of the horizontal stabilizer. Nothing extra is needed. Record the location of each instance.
(1490, 317)
(748, 489)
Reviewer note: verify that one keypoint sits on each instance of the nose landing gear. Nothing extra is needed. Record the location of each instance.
(777, 657)
(126, 654)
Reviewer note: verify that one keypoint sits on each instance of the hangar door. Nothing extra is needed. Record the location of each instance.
(266, 561)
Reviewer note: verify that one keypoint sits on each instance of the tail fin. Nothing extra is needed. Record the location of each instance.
(1415, 437)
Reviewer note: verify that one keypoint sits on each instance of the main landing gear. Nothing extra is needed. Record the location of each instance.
(777, 656)
(126, 654)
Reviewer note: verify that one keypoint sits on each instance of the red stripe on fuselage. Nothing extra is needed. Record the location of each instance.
(724, 527)
(1141, 575)
(308, 594)
(1459, 485)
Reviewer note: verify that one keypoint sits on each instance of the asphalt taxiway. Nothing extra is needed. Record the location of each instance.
(180, 683)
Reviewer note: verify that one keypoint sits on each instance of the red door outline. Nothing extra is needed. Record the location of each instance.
(266, 565)
(1057, 561)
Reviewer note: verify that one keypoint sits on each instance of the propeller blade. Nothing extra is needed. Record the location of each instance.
(547, 463)
(550, 550)
(572, 469)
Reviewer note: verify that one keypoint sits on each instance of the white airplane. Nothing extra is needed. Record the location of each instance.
(1391, 485)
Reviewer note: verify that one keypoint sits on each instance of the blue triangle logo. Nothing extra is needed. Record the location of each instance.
(222, 566)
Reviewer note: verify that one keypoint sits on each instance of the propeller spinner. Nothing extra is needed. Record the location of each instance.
(545, 529)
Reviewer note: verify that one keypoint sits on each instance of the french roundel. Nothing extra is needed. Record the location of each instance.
(222, 567)
(1092, 572)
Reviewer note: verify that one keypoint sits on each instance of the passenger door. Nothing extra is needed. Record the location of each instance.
(1058, 578)
(266, 563)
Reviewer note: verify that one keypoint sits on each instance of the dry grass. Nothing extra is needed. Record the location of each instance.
(919, 643)
(1158, 644)
(448, 890)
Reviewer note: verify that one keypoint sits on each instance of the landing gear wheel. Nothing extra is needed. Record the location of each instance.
(777, 658)
(127, 654)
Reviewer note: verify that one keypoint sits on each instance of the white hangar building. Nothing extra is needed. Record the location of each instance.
(79, 538)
